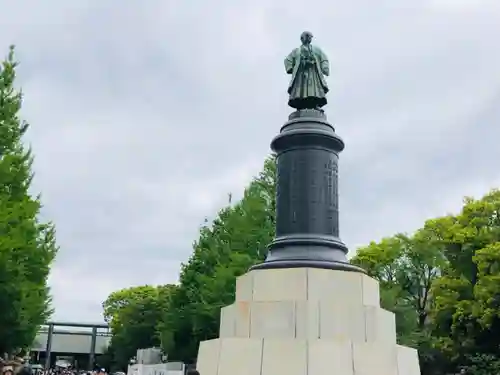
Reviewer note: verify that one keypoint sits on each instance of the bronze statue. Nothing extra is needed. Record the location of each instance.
(308, 66)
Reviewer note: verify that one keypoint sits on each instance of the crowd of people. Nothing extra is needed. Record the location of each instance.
(19, 367)
(65, 371)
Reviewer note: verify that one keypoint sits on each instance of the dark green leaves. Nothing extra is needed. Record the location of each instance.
(443, 284)
(27, 246)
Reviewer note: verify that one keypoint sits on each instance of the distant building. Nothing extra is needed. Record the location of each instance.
(77, 344)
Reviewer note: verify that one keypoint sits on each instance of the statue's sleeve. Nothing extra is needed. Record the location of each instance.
(290, 62)
(324, 63)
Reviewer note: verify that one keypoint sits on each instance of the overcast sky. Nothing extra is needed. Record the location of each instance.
(146, 114)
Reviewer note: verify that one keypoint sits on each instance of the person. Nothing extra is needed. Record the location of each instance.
(8, 370)
(308, 66)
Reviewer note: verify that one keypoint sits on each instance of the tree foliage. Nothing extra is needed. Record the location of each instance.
(133, 315)
(234, 241)
(406, 268)
(443, 284)
(465, 315)
(27, 245)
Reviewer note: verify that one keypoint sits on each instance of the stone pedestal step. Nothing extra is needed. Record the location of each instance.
(230, 356)
(306, 321)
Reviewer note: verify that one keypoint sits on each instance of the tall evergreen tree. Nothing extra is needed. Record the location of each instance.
(27, 246)
(234, 241)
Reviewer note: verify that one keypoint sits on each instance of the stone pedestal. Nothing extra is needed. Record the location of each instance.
(306, 321)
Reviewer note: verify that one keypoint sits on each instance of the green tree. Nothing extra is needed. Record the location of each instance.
(466, 321)
(133, 315)
(443, 284)
(27, 245)
(233, 242)
(405, 266)
(482, 364)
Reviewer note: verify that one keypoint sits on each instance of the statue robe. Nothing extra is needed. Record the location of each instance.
(307, 86)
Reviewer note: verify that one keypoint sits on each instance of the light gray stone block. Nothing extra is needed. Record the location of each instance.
(208, 357)
(284, 357)
(407, 361)
(242, 310)
(244, 287)
(245, 356)
(371, 291)
(308, 284)
(241, 356)
(343, 287)
(280, 284)
(342, 322)
(307, 320)
(327, 357)
(273, 320)
(380, 325)
(374, 359)
(227, 326)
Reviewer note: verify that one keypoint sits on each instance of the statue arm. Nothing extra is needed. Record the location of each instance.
(324, 64)
(290, 62)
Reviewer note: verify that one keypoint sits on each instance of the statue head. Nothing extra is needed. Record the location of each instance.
(306, 37)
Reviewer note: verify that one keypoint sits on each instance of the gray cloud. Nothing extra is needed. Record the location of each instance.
(144, 116)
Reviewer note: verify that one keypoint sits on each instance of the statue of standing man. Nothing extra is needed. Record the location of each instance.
(308, 66)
